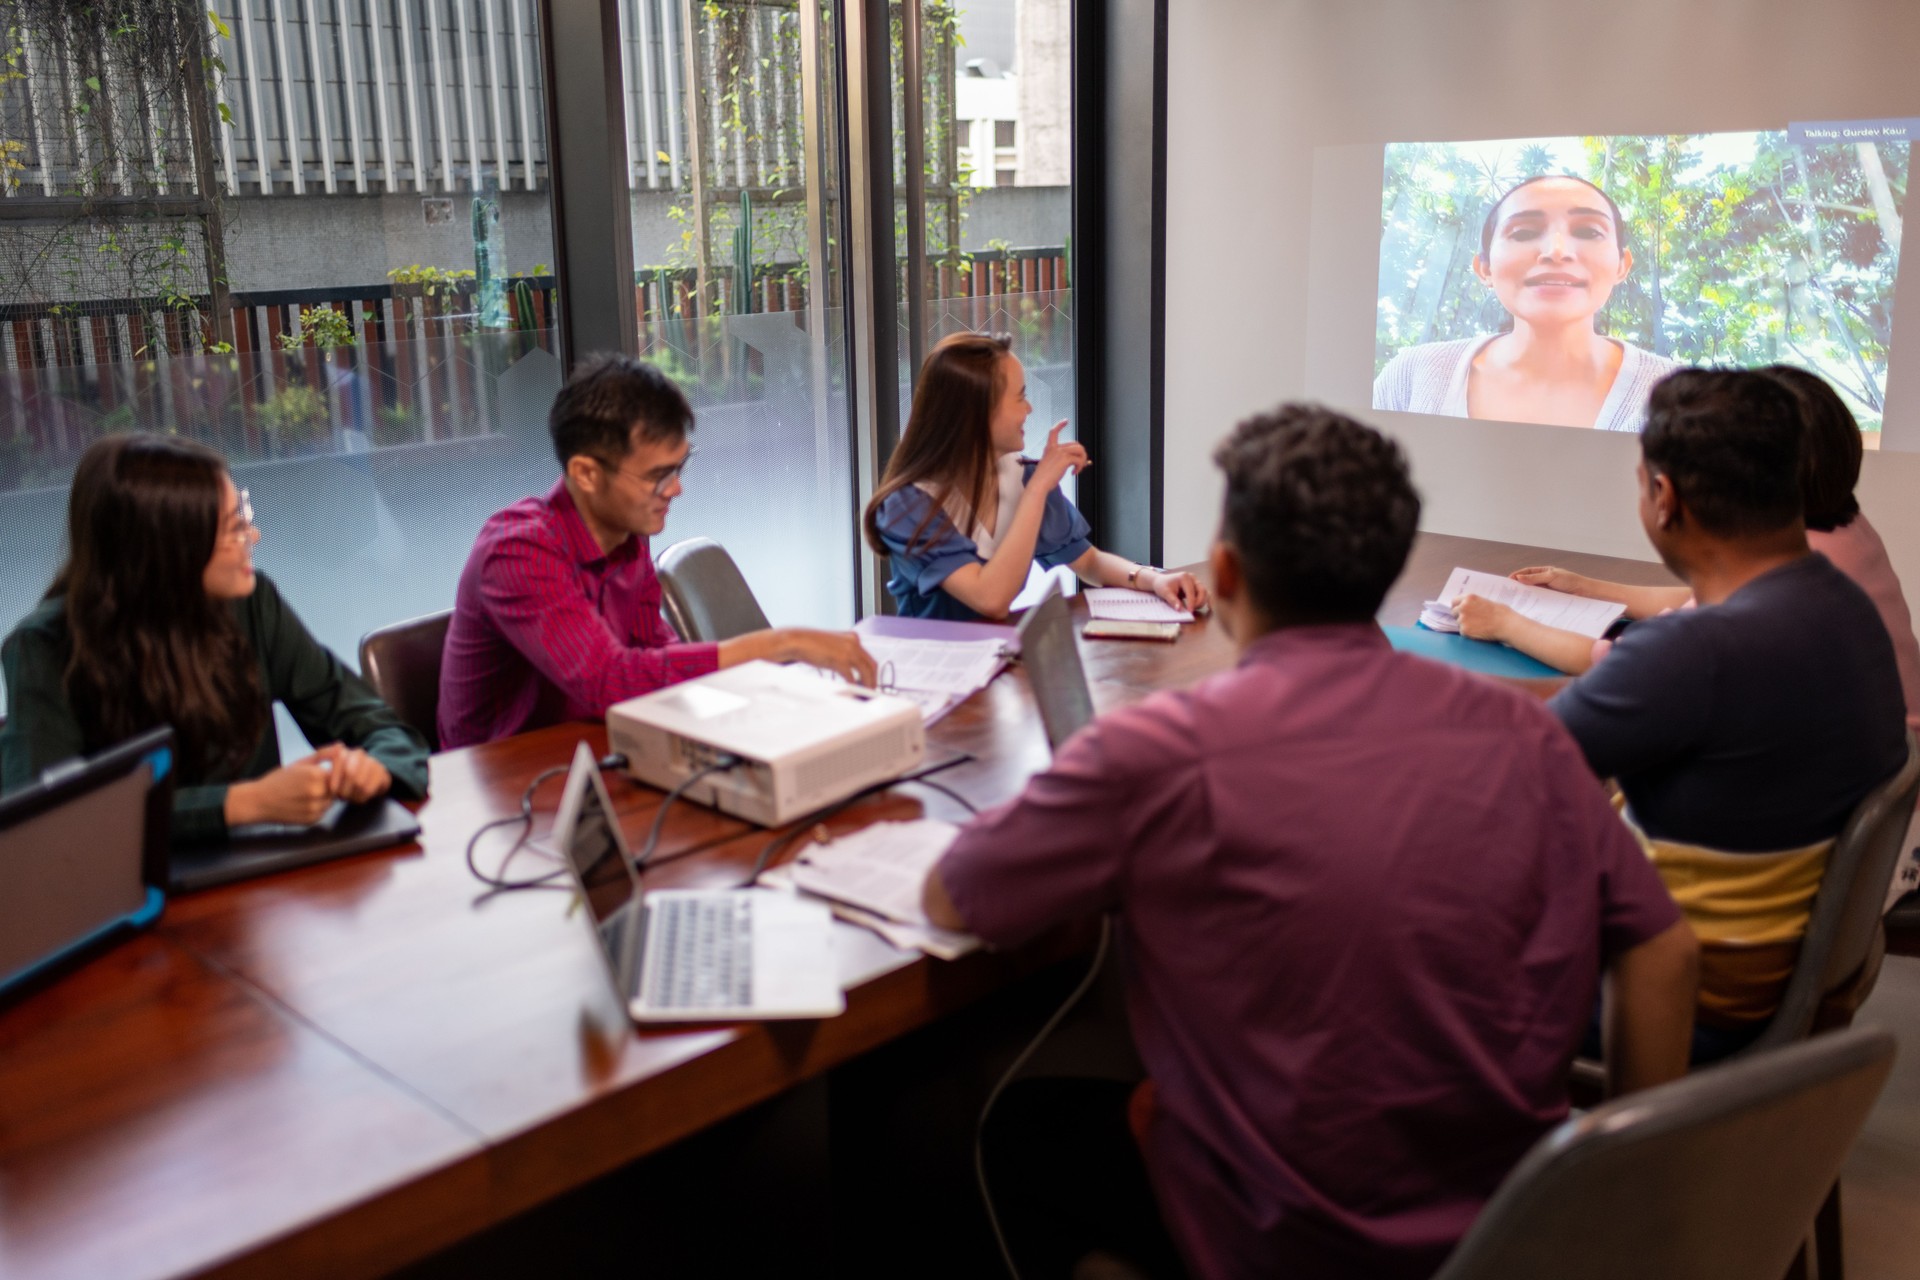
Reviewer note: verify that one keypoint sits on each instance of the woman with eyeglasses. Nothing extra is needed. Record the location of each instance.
(158, 617)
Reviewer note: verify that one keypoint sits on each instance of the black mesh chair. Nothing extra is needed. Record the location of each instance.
(402, 663)
(1713, 1177)
(703, 593)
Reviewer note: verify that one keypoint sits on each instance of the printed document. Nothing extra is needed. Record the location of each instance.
(953, 667)
(1589, 618)
(1123, 604)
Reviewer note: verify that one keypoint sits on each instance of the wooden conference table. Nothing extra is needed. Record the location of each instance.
(339, 1070)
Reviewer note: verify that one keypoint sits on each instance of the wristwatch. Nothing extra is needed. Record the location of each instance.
(1133, 579)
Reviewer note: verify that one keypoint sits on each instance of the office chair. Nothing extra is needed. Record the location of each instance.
(402, 663)
(1840, 956)
(703, 593)
(1712, 1177)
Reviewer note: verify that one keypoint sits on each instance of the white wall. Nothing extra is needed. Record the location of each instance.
(1256, 86)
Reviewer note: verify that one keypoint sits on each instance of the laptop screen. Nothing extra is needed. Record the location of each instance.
(598, 860)
(1052, 659)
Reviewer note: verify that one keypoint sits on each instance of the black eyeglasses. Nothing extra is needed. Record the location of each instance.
(660, 477)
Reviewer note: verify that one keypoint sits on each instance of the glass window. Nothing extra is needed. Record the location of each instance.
(736, 251)
(313, 234)
(996, 246)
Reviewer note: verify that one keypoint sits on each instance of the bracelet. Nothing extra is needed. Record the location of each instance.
(1133, 578)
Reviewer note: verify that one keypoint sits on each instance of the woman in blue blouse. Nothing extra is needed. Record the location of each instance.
(964, 517)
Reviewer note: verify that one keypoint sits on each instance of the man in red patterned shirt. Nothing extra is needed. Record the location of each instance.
(558, 612)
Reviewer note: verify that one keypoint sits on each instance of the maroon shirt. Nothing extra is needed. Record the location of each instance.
(1365, 900)
(548, 627)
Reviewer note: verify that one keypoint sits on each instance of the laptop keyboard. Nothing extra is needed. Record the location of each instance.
(700, 952)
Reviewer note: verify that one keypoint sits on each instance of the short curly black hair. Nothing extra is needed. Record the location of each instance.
(605, 397)
(1322, 511)
(1730, 441)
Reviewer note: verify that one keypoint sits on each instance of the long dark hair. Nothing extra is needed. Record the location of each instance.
(948, 442)
(149, 645)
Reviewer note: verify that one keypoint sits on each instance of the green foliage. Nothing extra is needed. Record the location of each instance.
(433, 281)
(296, 416)
(1743, 254)
(322, 327)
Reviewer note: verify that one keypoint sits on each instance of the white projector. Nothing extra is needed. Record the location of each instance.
(804, 741)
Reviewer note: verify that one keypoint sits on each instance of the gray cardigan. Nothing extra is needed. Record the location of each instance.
(1432, 378)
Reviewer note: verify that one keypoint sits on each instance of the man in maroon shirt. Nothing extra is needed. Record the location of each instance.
(557, 616)
(1366, 904)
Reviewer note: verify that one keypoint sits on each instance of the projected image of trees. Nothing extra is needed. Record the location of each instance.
(1747, 249)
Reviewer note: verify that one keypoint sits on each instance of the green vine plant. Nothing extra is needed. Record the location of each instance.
(433, 281)
(322, 327)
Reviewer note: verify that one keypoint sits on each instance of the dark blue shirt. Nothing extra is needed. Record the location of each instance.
(1753, 725)
(919, 571)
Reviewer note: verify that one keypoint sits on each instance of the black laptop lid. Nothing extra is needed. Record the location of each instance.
(1052, 658)
(83, 855)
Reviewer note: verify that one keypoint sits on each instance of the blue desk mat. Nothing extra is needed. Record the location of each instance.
(1484, 656)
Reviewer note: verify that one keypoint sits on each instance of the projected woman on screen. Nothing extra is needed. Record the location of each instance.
(1552, 249)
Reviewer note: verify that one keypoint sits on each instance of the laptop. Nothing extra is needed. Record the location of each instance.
(83, 857)
(690, 955)
(266, 847)
(1051, 655)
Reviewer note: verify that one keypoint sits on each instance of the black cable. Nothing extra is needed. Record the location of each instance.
(644, 859)
(1000, 1086)
(812, 820)
(498, 883)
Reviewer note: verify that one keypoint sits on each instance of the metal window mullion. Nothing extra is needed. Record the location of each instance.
(461, 10)
(150, 122)
(739, 140)
(288, 117)
(317, 78)
(495, 88)
(871, 315)
(813, 138)
(670, 62)
(762, 120)
(416, 151)
(264, 169)
(435, 60)
(343, 27)
(627, 87)
(649, 109)
(380, 112)
(914, 147)
(220, 119)
(782, 151)
(120, 180)
(37, 105)
(522, 89)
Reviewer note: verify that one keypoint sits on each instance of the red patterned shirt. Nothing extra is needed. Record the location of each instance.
(548, 627)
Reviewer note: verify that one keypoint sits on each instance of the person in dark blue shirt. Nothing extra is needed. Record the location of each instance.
(964, 517)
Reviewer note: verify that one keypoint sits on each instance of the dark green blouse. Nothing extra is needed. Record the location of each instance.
(327, 701)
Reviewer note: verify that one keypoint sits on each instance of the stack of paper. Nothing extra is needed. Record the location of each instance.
(1578, 614)
(1123, 604)
(936, 674)
(873, 877)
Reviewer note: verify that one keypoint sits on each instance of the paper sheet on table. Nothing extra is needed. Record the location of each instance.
(1122, 604)
(941, 944)
(1589, 618)
(873, 877)
(953, 667)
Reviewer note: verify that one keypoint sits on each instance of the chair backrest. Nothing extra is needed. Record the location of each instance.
(1846, 911)
(1713, 1177)
(705, 597)
(402, 663)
